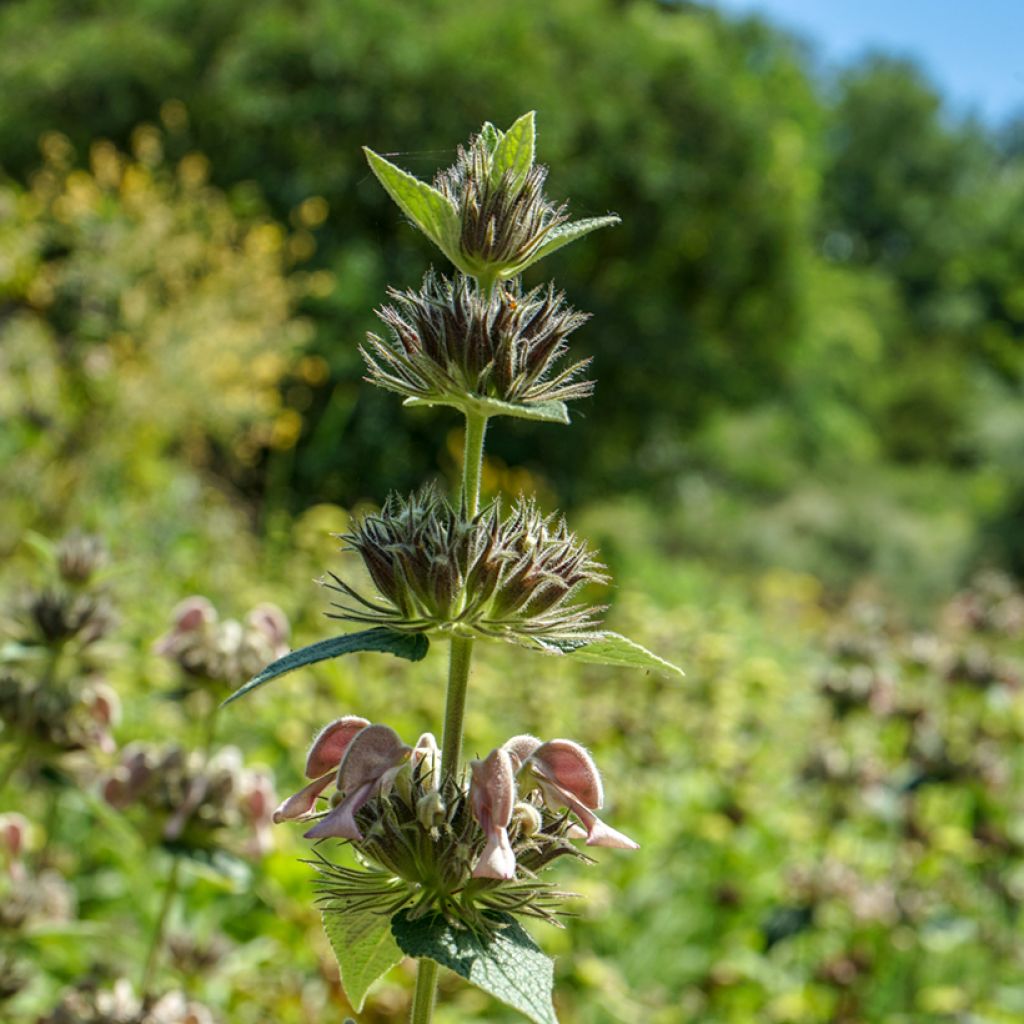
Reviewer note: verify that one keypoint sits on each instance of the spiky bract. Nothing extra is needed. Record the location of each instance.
(451, 343)
(505, 219)
(510, 578)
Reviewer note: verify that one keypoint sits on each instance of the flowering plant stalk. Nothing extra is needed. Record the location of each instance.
(448, 859)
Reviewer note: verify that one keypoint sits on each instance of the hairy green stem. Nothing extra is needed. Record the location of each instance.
(455, 698)
(473, 460)
(157, 940)
(426, 993)
(455, 705)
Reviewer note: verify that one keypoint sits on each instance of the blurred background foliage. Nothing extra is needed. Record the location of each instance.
(809, 422)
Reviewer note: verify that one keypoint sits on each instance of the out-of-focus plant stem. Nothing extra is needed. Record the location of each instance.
(157, 940)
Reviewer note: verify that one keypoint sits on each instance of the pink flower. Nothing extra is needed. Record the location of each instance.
(568, 777)
(492, 794)
(269, 620)
(321, 765)
(372, 759)
(192, 615)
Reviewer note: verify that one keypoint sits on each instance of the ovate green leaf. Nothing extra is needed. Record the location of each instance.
(566, 233)
(613, 649)
(515, 151)
(411, 646)
(506, 963)
(363, 946)
(427, 208)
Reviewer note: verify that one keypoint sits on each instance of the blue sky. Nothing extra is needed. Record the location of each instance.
(973, 49)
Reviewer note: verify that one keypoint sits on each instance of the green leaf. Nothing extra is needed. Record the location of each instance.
(427, 208)
(515, 151)
(563, 235)
(363, 946)
(506, 963)
(490, 136)
(411, 646)
(613, 649)
(544, 412)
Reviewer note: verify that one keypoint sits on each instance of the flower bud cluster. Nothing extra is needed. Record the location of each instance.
(87, 1004)
(190, 801)
(72, 607)
(28, 896)
(505, 218)
(58, 718)
(450, 343)
(510, 578)
(460, 847)
(229, 652)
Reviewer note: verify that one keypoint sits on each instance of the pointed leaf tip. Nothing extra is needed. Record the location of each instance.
(411, 646)
(515, 151)
(616, 650)
(427, 208)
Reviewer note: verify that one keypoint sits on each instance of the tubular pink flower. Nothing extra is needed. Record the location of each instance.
(492, 794)
(190, 615)
(330, 744)
(273, 624)
(371, 761)
(568, 777)
(321, 765)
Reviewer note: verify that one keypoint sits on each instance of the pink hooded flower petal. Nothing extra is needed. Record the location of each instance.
(571, 768)
(497, 860)
(372, 759)
(298, 805)
(520, 748)
(331, 743)
(492, 795)
(341, 822)
(371, 754)
(569, 778)
(598, 833)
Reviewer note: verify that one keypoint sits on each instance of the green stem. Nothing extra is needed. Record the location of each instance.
(157, 940)
(455, 705)
(455, 699)
(426, 992)
(473, 460)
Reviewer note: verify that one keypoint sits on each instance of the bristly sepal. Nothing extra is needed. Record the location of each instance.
(437, 570)
(491, 354)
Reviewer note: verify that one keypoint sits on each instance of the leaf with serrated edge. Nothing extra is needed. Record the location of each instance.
(515, 151)
(411, 646)
(506, 963)
(544, 412)
(427, 208)
(363, 946)
(563, 235)
(614, 649)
